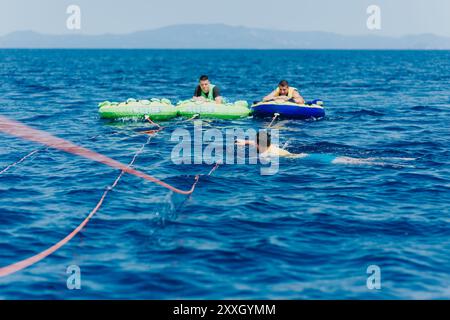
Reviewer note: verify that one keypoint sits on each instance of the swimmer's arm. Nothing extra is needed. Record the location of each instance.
(274, 150)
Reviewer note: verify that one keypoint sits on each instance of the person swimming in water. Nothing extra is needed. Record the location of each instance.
(265, 148)
(264, 145)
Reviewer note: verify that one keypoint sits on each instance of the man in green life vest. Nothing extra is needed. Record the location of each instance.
(206, 91)
(285, 93)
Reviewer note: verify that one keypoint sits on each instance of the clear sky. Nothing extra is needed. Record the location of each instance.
(399, 17)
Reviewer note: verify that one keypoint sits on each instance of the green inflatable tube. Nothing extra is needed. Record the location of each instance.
(211, 110)
(157, 110)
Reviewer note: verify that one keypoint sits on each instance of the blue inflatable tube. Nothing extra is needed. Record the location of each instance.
(288, 110)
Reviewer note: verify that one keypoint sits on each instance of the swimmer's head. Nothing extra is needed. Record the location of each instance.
(263, 140)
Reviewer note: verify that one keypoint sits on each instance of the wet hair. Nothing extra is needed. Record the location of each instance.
(263, 135)
(283, 83)
(203, 78)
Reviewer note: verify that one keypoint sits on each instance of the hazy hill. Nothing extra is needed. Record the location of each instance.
(219, 36)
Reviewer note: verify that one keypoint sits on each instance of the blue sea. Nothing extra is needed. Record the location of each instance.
(310, 231)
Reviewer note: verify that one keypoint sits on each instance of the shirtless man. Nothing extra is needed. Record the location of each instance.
(267, 149)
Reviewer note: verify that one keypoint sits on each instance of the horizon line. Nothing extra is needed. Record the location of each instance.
(368, 34)
(225, 49)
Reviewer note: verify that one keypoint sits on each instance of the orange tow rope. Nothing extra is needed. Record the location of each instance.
(20, 130)
(15, 267)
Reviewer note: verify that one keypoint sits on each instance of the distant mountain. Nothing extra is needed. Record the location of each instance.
(219, 36)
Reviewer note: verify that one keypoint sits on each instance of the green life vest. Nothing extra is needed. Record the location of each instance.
(210, 95)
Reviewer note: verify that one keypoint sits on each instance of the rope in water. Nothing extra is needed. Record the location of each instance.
(19, 161)
(213, 169)
(15, 267)
(5, 271)
(20, 130)
(37, 151)
(192, 118)
(151, 122)
(273, 119)
(159, 127)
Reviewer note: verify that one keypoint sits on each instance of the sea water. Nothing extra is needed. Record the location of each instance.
(312, 230)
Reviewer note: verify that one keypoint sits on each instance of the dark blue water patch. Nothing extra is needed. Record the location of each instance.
(309, 231)
(364, 112)
(428, 108)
